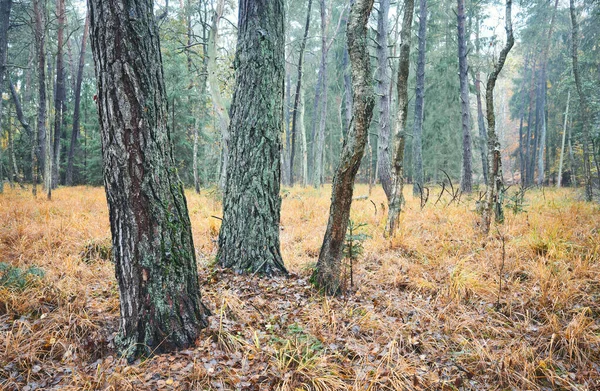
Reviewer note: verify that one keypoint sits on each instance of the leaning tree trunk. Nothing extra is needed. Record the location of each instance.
(396, 199)
(583, 105)
(155, 261)
(383, 91)
(60, 94)
(466, 183)
(493, 198)
(328, 273)
(5, 6)
(417, 147)
(249, 236)
(77, 104)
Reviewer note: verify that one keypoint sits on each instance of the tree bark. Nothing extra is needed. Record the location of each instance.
(583, 104)
(5, 7)
(397, 198)
(383, 90)
(328, 273)
(564, 136)
(155, 261)
(417, 147)
(249, 236)
(77, 104)
(494, 192)
(466, 183)
(60, 93)
(297, 94)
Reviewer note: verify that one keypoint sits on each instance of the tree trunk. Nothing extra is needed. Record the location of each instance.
(60, 93)
(77, 110)
(249, 236)
(383, 90)
(495, 189)
(564, 136)
(328, 273)
(155, 260)
(530, 140)
(302, 128)
(417, 147)
(397, 198)
(297, 94)
(5, 7)
(583, 105)
(466, 183)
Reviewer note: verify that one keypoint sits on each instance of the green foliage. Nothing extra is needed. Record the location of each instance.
(353, 246)
(516, 201)
(15, 278)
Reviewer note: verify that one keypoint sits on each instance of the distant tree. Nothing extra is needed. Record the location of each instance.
(249, 235)
(417, 146)
(155, 261)
(466, 183)
(328, 272)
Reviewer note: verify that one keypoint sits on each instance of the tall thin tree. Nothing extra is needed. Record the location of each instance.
(417, 146)
(466, 183)
(383, 93)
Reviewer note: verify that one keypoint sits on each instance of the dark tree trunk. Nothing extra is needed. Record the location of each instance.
(297, 94)
(19, 110)
(417, 147)
(249, 236)
(383, 90)
(155, 261)
(397, 198)
(583, 105)
(5, 6)
(466, 183)
(60, 93)
(76, 110)
(530, 135)
(493, 199)
(328, 273)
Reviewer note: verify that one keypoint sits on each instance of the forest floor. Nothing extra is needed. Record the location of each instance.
(425, 313)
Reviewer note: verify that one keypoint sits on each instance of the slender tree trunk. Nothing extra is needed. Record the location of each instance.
(383, 90)
(347, 99)
(328, 273)
(466, 184)
(155, 261)
(77, 104)
(5, 6)
(297, 94)
(397, 198)
(522, 141)
(302, 128)
(583, 105)
(249, 236)
(417, 146)
(494, 192)
(564, 136)
(60, 93)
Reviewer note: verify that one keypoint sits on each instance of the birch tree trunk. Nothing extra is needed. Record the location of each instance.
(383, 90)
(155, 260)
(417, 147)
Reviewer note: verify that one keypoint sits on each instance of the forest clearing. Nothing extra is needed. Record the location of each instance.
(425, 311)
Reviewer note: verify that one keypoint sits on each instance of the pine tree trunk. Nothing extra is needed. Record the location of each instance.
(417, 147)
(249, 236)
(397, 198)
(328, 273)
(466, 183)
(383, 90)
(5, 7)
(155, 261)
(60, 93)
(302, 128)
(77, 104)
(564, 136)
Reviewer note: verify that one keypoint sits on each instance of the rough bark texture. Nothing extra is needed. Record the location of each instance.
(297, 94)
(417, 146)
(5, 6)
(493, 199)
(583, 105)
(77, 104)
(19, 110)
(249, 236)
(466, 183)
(155, 261)
(396, 199)
(327, 275)
(383, 91)
(60, 93)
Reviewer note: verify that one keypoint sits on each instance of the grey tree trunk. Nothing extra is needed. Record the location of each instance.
(564, 136)
(417, 146)
(583, 105)
(249, 236)
(155, 260)
(77, 104)
(493, 198)
(397, 198)
(466, 183)
(5, 6)
(302, 128)
(383, 91)
(60, 93)
(328, 273)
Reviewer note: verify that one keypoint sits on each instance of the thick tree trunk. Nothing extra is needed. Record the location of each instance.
(249, 236)
(493, 199)
(383, 90)
(466, 183)
(60, 93)
(19, 110)
(564, 136)
(297, 94)
(397, 198)
(583, 105)
(417, 147)
(328, 273)
(155, 261)
(77, 109)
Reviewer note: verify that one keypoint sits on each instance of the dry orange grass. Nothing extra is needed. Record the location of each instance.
(423, 314)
